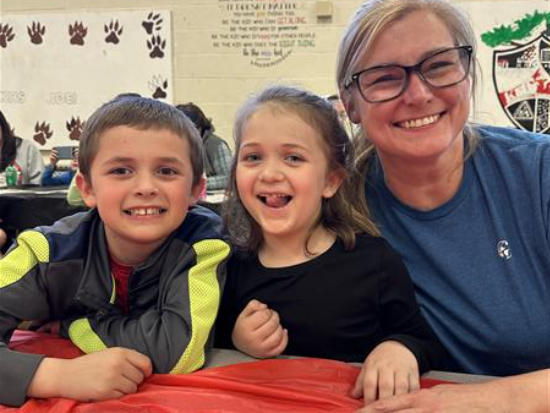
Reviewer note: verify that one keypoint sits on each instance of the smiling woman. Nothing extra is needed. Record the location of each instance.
(436, 185)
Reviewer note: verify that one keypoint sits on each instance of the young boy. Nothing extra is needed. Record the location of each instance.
(134, 282)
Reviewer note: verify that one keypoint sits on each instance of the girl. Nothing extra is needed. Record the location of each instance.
(314, 278)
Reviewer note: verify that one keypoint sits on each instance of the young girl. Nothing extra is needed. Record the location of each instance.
(314, 278)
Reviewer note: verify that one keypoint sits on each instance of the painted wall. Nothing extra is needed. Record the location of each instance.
(222, 50)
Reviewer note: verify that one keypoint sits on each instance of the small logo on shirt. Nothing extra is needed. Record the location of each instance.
(503, 249)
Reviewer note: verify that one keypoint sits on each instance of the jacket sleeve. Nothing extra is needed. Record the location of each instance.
(175, 333)
(73, 195)
(21, 298)
(49, 177)
(401, 316)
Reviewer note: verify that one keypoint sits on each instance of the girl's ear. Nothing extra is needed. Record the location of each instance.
(348, 99)
(333, 182)
(86, 190)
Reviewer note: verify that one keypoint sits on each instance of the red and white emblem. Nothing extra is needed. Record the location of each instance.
(522, 80)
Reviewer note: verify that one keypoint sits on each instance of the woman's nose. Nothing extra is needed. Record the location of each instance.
(417, 91)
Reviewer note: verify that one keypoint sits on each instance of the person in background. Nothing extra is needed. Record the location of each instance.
(467, 206)
(25, 157)
(135, 282)
(20, 153)
(52, 177)
(313, 278)
(217, 155)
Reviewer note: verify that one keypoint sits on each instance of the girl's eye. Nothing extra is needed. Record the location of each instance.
(250, 157)
(168, 171)
(293, 158)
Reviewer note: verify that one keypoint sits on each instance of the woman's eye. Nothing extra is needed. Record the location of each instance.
(385, 78)
(439, 65)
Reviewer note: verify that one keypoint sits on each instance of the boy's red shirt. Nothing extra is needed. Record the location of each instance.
(121, 274)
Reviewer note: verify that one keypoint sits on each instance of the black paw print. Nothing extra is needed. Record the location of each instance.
(36, 32)
(156, 45)
(158, 86)
(75, 128)
(113, 30)
(78, 32)
(153, 23)
(6, 34)
(43, 132)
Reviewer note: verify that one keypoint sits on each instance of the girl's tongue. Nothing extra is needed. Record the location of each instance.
(275, 201)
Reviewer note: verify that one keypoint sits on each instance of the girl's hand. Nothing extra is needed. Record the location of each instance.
(258, 331)
(390, 369)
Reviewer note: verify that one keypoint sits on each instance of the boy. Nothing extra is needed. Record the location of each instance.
(135, 281)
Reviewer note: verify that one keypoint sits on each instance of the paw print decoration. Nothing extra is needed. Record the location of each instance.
(43, 133)
(36, 32)
(153, 23)
(158, 85)
(6, 34)
(75, 128)
(78, 32)
(113, 31)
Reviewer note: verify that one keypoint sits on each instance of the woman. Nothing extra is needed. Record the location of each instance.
(467, 207)
(21, 153)
(217, 156)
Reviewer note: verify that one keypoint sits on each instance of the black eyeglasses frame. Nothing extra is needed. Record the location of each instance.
(354, 79)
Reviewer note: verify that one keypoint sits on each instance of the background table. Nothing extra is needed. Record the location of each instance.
(23, 208)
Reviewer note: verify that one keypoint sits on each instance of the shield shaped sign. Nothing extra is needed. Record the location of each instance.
(521, 76)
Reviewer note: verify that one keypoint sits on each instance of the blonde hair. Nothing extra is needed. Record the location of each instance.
(368, 22)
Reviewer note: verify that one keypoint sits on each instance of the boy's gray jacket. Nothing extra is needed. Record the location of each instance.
(62, 272)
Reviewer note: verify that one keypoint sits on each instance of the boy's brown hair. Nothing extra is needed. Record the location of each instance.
(140, 113)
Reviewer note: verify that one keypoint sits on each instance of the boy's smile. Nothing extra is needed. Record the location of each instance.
(141, 184)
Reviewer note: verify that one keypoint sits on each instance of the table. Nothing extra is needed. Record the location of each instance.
(224, 357)
(23, 208)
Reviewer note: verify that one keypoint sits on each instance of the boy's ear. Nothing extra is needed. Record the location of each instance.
(348, 100)
(86, 191)
(198, 191)
(334, 180)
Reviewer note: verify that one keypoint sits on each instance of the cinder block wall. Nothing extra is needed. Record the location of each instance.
(219, 78)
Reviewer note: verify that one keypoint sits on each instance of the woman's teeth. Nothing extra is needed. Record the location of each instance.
(417, 123)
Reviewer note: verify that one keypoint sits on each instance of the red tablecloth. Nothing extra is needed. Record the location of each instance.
(302, 385)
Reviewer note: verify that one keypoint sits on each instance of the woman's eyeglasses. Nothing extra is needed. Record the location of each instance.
(386, 82)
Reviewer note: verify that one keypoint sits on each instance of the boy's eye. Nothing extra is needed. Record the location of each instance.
(120, 171)
(168, 171)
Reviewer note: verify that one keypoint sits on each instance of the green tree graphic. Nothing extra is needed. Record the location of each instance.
(507, 35)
